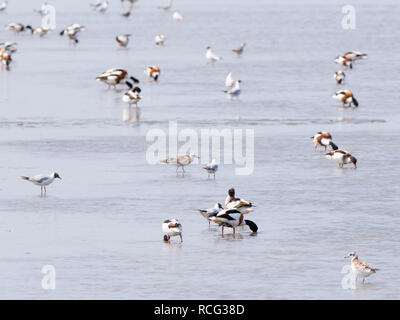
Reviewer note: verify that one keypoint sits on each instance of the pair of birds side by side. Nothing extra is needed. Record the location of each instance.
(212, 57)
(324, 139)
(185, 160)
(42, 180)
(234, 86)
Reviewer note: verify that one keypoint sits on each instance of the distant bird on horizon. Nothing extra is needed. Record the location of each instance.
(123, 40)
(323, 139)
(346, 97)
(172, 228)
(211, 57)
(42, 180)
(339, 76)
(239, 50)
(341, 157)
(360, 268)
(211, 168)
(177, 16)
(3, 5)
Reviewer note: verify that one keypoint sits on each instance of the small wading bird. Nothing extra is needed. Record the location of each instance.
(235, 91)
(177, 16)
(360, 268)
(42, 180)
(323, 139)
(115, 76)
(211, 168)
(72, 31)
(232, 218)
(339, 76)
(346, 97)
(172, 228)
(17, 27)
(344, 61)
(153, 72)
(239, 50)
(3, 5)
(212, 212)
(159, 39)
(211, 57)
(132, 96)
(166, 6)
(181, 161)
(5, 58)
(341, 157)
(123, 39)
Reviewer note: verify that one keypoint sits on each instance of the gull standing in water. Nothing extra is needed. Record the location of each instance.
(239, 50)
(360, 268)
(211, 56)
(172, 228)
(123, 40)
(177, 16)
(42, 180)
(181, 161)
(235, 91)
(211, 168)
(212, 212)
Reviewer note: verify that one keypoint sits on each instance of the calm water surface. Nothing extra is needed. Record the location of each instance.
(100, 227)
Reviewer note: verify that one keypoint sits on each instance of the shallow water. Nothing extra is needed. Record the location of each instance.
(100, 226)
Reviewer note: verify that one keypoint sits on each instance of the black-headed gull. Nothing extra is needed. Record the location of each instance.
(42, 180)
(211, 56)
(235, 91)
(211, 168)
(172, 228)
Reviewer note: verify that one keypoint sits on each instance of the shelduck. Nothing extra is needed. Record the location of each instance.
(232, 218)
(132, 96)
(339, 76)
(323, 139)
(172, 228)
(153, 72)
(115, 76)
(346, 97)
(341, 157)
(72, 31)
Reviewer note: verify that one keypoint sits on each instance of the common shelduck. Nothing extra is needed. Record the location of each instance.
(211, 57)
(172, 228)
(212, 212)
(72, 31)
(235, 91)
(41, 31)
(159, 39)
(166, 6)
(9, 46)
(339, 76)
(239, 50)
(181, 161)
(232, 218)
(211, 168)
(153, 72)
(177, 16)
(230, 197)
(132, 96)
(241, 205)
(360, 268)
(355, 55)
(42, 180)
(346, 97)
(341, 157)
(16, 27)
(5, 58)
(229, 80)
(123, 39)
(3, 5)
(115, 76)
(323, 139)
(344, 61)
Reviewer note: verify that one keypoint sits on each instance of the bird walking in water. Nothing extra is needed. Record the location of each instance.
(72, 31)
(235, 91)
(346, 97)
(210, 56)
(211, 168)
(239, 50)
(323, 139)
(212, 212)
(181, 161)
(360, 268)
(123, 40)
(153, 72)
(172, 228)
(132, 96)
(341, 157)
(339, 76)
(232, 218)
(42, 180)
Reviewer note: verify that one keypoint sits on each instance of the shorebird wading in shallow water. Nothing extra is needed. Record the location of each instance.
(341, 157)
(212, 212)
(172, 228)
(153, 72)
(42, 180)
(132, 96)
(323, 139)
(239, 50)
(345, 97)
(123, 39)
(360, 268)
(211, 168)
(115, 76)
(232, 218)
(181, 161)
(211, 57)
(339, 76)
(72, 31)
